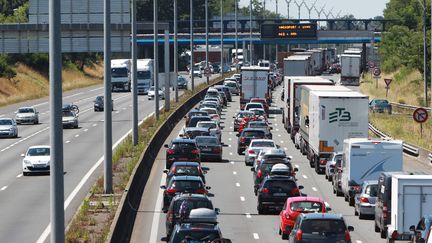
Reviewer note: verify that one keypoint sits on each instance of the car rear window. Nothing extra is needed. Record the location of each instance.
(194, 134)
(255, 124)
(197, 113)
(257, 134)
(323, 225)
(280, 185)
(207, 140)
(197, 234)
(268, 144)
(195, 120)
(258, 112)
(250, 106)
(210, 111)
(306, 207)
(274, 156)
(245, 114)
(186, 170)
(184, 146)
(372, 190)
(193, 203)
(190, 185)
(207, 125)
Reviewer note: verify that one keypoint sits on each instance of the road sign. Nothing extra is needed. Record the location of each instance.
(292, 31)
(420, 115)
(207, 72)
(387, 81)
(376, 72)
(371, 64)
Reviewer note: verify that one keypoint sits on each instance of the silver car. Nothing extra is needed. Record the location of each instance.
(255, 147)
(331, 164)
(8, 128)
(364, 202)
(27, 115)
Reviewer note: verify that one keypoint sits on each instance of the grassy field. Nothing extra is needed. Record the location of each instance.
(29, 84)
(406, 87)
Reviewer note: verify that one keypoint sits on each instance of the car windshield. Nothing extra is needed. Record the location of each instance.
(186, 170)
(207, 140)
(262, 144)
(253, 134)
(26, 110)
(197, 113)
(316, 226)
(194, 121)
(99, 98)
(186, 185)
(257, 124)
(5, 122)
(372, 190)
(280, 185)
(143, 75)
(231, 84)
(67, 113)
(206, 125)
(245, 114)
(38, 152)
(381, 102)
(307, 207)
(152, 89)
(119, 72)
(250, 106)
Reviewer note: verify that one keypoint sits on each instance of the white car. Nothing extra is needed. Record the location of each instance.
(69, 119)
(252, 105)
(255, 147)
(214, 128)
(27, 115)
(232, 86)
(152, 91)
(36, 159)
(8, 128)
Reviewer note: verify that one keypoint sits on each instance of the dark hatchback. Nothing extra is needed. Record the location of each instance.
(320, 227)
(181, 82)
(210, 148)
(181, 150)
(193, 201)
(99, 104)
(273, 192)
(182, 184)
(264, 169)
(247, 135)
(184, 168)
(194, 113)
(192, 132)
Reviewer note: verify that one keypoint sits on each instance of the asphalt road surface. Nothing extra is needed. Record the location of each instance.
(24, 201)
(232, 185)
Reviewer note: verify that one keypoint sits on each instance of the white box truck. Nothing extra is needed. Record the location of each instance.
(411, 199)
(297, 65)
(293, 101)
(326, 119)
(254, 84)
(144, 75)
(365, 159)
(120, 75)
(350, 73)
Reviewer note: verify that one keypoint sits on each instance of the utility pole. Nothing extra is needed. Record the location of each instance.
(56, 131)
(156, 56)
(250, 34)
(207, 39)
(222, 44)
(425, 53)
(167, 70)
(134, 76)
(191, 46)
(107, 100)
(277, 46)
(175, 51)
(236, 34)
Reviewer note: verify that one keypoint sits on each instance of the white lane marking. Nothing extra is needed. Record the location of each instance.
(117, 112)
(285, 148)
(231, 127)
(314, 189)
(248, 215)
(279, 135)
(229, 145)
(230, 133)
(230, 139)
(77, 135)
(256, 236)
(40, 104)
(242, 199)
(94, 124)
(277, 129)
(102, 120)
(70, 96)
(304, 176)
(23, 139)
(276, 124)
(231, 153)
(124, 108)
(297, 166)
(71, 196)
(3, 188)
(19, 175)
(234, 172)
(358, 241)
(237, 184)
(156, 217)
(92, 90)
(232, 162)
(67, 141)
(282, 141)
(85, 130)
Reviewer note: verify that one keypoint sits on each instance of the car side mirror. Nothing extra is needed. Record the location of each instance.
(22, 155)
(217, 210)
(252, 169)
(163, 187)
(412, 228)
(165, 171)
(295, 169)
(350, 228)
(289, 157)
(300, 187)
(205, 168)
(238, 135)
(185, 117)
(164, 239)
(166, 145)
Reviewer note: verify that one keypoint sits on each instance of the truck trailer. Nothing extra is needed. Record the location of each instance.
(350, 74)
(297, 65)
(255, 84)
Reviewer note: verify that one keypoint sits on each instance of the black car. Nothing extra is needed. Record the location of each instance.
(194, 113)
(99, 104)
(216, 68)
(273, 192)
(185, 168)
(181, 82)
(320, 227)
(239, 117)
(192, 132)
(195, 119)
(182, 184)
(210, 148)
(264, 168)
(181, 150)
(247, 135)
(193, 201)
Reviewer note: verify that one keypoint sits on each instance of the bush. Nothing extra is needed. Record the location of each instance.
(6, 69)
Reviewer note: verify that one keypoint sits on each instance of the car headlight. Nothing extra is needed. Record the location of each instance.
(27, 162)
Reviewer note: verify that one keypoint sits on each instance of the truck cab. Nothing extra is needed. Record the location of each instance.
(120, 75)
(144, 75)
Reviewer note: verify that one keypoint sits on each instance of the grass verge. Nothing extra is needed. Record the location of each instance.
(93, 220)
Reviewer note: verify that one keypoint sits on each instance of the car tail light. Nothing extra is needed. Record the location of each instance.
(385, 211)
(170, 151)
(170, 216)
(259, 173)
(171, 190)
(216, 150)
(287, 216)
(293, 173)
(251, 151)
(174, 169)
(195, 151)
(332, 166)
(323, 162)
(242, 139)
(299, 234)
(394, 235)
(258, 162)
(364, 200)
(347, 235)
(265, 190)
(295, 191)
(201, 191)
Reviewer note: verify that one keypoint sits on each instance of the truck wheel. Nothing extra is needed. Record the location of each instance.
(339, 193)
(355, 212)
(345, 198)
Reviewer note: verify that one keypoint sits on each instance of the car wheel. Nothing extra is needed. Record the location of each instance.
(284, 236)
(36, 122)
(377, 229)
(326, 176)
(260, 209)
(383, 233)
(345, 198)
(361, 216)
(355, 212)
(350, 201)
(280, 231)
(239, 152)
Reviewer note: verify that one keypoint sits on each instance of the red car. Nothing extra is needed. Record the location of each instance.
(294, 206)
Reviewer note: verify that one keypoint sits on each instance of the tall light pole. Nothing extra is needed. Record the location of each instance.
(175, 51)
(222, 44)
(264, 45)
(156, 56)
(431, 59)
(236, 34)
(207, 39)
(56, 131)
(134, 75)
(250, 34)
(424, 52)
(277, 16)
(191, 46)
(299, 7)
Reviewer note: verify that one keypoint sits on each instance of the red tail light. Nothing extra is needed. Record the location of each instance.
(265, 190)
(195, 151)
(347, 235)
(364, 200)
(251, 151)
(299, 234)
(295, 191)
(385, 211)
(201, 191)
(293, 173)
(242, 139)
(171, 190)
(216, 150)
(394, 235)
(170, 151)
(173, 170)
(323, 162)
(259, 173)
(332, 166)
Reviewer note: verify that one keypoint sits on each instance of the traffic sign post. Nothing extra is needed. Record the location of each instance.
(376, 73)
(420, 115)
(387, 82)
(207, 72)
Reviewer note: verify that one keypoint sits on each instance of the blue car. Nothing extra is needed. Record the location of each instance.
(380, 106)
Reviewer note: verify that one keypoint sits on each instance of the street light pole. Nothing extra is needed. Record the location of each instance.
(191, 46)
(250, 34)
(156, 57)
(134, 76)
(207, 44)
(236, 34)
(175, 51)
(222, 44)
(425, 53)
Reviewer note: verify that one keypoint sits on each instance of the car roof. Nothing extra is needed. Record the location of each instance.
(185, 163)
(183, 140)
(254, 103)
(262, 140)
(212, 137)
(39, 146)
(191, 195)
(187, 129)
(274, 151)
(202, 215)
(301, 199)
(322, 216)
(26, 107)
(199, 117)
(254, 129)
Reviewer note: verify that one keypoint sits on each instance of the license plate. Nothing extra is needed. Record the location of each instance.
(279, 194)
(206, 149)
(183, 158)
(39, 165)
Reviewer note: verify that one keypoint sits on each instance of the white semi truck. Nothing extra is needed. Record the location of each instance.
(350, 74)
(144, 75)
(120, 75)
(254, 84)
(326, 118)
(297, 65)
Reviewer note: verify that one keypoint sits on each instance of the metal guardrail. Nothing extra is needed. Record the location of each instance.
(405, 106)
(407, 148)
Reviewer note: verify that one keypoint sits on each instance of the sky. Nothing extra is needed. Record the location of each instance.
(359, 8)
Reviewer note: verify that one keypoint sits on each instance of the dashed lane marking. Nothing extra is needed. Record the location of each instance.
(256, 236)
(3, 188)
(234, 172)
(314, 189)
(281, 141)
(77, 135)
(67, 141)
(230, 133)
(277, 129)
(242, 199)
(230, 139)
(231, 153)
(85, 130)
(237, 184)
(94, 124)
(232, 162)
(19, 175)
(279, 135)
(358, 241)
(297, 166)
(248, 215)
(229, 145)
(285, 148)
(304, 176)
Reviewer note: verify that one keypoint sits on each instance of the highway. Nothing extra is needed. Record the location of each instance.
(232, 185)
(24, 201)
